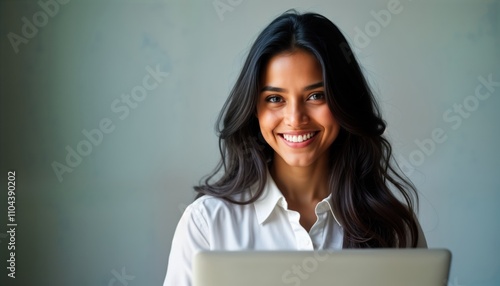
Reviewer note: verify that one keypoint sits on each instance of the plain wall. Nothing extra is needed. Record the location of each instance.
(114, 212)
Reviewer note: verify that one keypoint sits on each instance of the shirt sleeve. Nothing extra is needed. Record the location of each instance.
(189, 238)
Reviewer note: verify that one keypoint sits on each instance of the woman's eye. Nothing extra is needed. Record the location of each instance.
(273, 99)
(317, 96)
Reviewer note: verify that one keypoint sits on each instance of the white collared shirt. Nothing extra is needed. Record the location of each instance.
(211, 223)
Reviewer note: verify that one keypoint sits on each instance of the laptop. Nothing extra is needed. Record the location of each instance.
(353, 267)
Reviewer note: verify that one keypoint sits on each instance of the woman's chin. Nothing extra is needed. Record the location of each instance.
(297, 161)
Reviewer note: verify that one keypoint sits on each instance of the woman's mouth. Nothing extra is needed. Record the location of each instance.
(294, 138)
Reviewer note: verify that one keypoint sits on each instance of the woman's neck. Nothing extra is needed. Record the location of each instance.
(301, 185)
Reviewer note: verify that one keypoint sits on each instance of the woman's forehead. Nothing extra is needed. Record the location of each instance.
(292, 68)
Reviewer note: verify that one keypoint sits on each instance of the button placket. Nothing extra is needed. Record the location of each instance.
(302, 238)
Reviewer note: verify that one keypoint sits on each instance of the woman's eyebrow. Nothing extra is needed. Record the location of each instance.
(272, 88)
(279, 89)
(314, 85)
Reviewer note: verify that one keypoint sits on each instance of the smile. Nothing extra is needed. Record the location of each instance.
(298, 138)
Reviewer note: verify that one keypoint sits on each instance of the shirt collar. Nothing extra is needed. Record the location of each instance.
(271, 196)
(326, 206)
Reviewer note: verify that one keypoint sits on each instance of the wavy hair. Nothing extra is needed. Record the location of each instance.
(363, 175)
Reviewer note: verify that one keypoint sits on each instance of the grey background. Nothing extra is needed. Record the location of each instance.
(117, 210)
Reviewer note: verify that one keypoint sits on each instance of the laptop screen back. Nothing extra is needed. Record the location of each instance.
(375, 267)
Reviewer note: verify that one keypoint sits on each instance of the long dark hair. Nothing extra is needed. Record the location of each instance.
(363, 171)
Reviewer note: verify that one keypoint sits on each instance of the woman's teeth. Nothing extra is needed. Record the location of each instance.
(298, 138)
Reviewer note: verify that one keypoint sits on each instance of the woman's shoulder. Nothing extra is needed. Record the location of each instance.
(208, 202)
(209, 205)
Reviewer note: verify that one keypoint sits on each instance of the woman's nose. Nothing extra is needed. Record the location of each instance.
(295, 114)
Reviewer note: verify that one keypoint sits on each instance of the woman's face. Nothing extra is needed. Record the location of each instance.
(293, 114)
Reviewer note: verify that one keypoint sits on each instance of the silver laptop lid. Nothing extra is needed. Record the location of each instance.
(375, 267)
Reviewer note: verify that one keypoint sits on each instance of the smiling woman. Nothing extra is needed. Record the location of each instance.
(305, 165)
(296, 120)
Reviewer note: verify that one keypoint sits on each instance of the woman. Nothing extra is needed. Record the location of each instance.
(305, 165)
